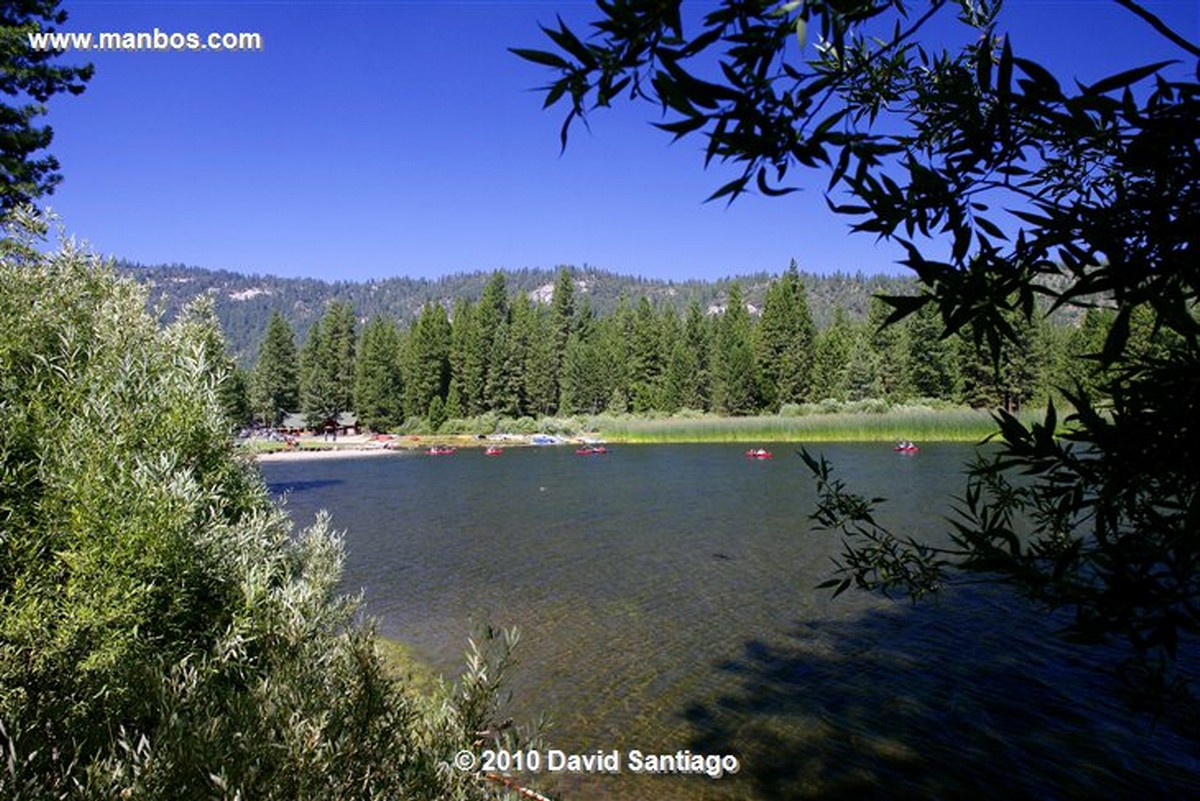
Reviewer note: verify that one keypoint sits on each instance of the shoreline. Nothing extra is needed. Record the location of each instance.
(920, 425)
(316, 454)
(362, 445)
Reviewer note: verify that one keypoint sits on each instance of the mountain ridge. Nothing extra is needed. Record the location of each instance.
(244, 301)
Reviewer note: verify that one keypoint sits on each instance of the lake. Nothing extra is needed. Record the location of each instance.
(666, 599)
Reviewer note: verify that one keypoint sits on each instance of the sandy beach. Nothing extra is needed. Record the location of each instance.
(362, 445)
(346, 452)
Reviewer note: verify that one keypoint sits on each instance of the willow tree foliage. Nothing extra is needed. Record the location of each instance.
(1006, 186)
(164, 631)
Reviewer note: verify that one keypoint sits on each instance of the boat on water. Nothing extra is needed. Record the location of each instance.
(442, 450)
(493, 450)
(906, 447)
(591, 450)
(759, 453)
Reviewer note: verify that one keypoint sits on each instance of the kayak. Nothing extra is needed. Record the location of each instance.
(759, 453)
(493, 451)
(591, 450)
(438, 450)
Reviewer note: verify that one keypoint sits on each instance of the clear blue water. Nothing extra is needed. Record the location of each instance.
(666, 599)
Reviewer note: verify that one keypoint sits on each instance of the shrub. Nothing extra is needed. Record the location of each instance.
(791, 410)
(164, 633)
(559, 426)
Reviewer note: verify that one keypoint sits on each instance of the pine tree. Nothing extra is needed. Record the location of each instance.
(562, 322)
(316, 391)
(1084, 346)
(784, 342)
(646, 358)
(833, 350)
(737, 379)
(468, 363)
(327, 365)
(614, 338)
(436, 415)
(540, 369)
(696, 393)
(454, 407)
(379, 383)
(674, 362)
(503, 391)
(523, 330)
(235, 395)
(931, 359)
(582, 388)
(491, 314)
(864, 370)
(342, 340)
(427, 361)
(890, 346)
(274, 386)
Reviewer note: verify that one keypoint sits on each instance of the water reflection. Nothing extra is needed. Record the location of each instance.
(280, 488)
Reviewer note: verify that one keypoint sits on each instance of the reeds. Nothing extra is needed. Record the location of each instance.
(918, 424)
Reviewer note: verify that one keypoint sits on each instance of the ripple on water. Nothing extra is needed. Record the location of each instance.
(665, 596)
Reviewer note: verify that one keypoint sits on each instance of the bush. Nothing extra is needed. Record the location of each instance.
(791, 410)
(867, 406)
(164, 633)
(413, 425)
(559, 426)
(521, 425)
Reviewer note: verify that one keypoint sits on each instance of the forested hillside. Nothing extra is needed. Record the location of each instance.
(244, 303)
(515, 353)
(534, 343)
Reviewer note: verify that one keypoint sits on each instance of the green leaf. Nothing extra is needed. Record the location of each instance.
(983, 62)
(904, 305)
(990, 228)
(769, 190)
(1118, 336)
(1046, 83)
(1122, 79)
(681, 128)
(541, 57)
(569, 42)
(734, 188)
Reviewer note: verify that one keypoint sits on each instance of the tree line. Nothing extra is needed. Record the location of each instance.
(506, 355)
(244, 302)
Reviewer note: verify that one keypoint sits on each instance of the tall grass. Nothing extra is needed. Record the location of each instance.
(922, 425)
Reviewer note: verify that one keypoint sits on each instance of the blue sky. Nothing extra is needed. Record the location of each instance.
(399, 137)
